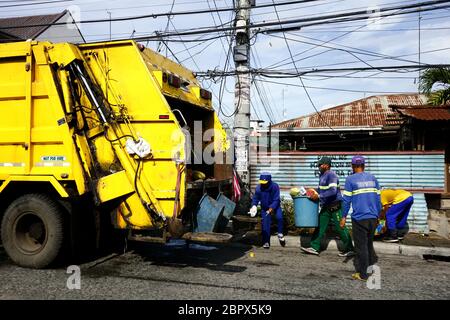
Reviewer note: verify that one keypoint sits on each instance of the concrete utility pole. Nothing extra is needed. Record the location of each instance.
(242, 89)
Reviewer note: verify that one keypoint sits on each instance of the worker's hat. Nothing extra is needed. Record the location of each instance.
(265, 178)
(324, 160)
(358, 160)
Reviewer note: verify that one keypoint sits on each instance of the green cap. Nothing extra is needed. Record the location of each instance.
(324, 160)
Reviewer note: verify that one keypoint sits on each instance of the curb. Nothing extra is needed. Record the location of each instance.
(380, 247)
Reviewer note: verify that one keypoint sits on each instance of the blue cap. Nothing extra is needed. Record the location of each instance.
(358, 160)
(265, 178)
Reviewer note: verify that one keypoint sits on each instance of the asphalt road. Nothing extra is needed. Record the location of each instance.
(176, 272)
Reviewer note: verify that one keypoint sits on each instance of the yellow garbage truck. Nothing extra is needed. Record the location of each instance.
(107, 133)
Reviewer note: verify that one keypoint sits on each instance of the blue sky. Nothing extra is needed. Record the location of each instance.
(393, 36)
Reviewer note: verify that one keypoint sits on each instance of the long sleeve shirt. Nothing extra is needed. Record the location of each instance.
(362, 192)
(391, 196)
(269, 198)
(329, 190)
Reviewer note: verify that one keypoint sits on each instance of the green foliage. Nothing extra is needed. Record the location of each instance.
(439, 79)
(287, 205)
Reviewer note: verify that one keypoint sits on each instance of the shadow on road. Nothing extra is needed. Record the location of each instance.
(305, 241)
(179, 254)
(175, 253)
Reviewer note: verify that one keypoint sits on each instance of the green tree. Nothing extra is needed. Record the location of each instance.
(435, 83)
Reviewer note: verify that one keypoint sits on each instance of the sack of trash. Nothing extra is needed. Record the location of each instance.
(198, 175)
(297, 192)
(311, 193)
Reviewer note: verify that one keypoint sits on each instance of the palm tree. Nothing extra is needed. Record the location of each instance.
(438, 79)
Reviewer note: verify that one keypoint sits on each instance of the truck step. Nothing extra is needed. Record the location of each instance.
(207, 237)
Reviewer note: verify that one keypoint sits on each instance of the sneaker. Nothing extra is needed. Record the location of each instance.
(310, 250)
(357, 276)
(349, 253)
(401, 237)
(282, 240)
(266, 245)
(390, 239)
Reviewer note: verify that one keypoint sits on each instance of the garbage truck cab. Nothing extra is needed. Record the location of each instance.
(111, 132)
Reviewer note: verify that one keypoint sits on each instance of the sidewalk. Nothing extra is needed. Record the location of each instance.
(413, 244)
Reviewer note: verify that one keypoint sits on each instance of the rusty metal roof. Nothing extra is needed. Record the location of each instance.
(28, 32)
(440, 113)
(374, 111)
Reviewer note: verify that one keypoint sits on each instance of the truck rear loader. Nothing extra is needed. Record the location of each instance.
(102, 134)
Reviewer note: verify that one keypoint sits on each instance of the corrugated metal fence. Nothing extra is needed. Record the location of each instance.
(418, 172)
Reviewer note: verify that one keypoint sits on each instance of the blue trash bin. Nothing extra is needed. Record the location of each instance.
(228, 211)
(306, 212)
(229, 205)
(207, 215)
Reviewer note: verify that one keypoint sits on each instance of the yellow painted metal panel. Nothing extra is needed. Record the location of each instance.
(190, 93)
(156, 61)
(39, 89)
(46, 116)
(51, 159)
(40, 53)
(48, 135)
(63, 53)
(17, 49)
(114, 186)
(12, 91)
(105, 154)
(12, 135)
(134, 214)
(58, 187)
(158, 75)
(27, 115)
(11, 153)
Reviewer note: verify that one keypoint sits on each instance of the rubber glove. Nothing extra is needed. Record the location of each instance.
(253, 211)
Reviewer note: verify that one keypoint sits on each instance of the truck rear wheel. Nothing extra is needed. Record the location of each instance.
(32, 231)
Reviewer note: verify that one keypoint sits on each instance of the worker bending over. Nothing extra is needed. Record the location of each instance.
(396, 206)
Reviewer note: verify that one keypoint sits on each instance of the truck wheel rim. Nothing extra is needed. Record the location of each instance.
(30, 233)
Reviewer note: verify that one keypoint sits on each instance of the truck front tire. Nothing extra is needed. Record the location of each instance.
(32, 231)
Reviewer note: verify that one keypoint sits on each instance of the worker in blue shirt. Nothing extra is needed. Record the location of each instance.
(268, 195)
(330, 198)
(362, 192)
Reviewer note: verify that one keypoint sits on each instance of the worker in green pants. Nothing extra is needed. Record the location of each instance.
(330, 199)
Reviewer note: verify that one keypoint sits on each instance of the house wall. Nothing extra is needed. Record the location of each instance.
(419, 172)
(436, 137)
(447, 170)
(376, 141)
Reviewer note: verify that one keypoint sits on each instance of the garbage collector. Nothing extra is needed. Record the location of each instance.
(267, 194)
(396, 206)
(330, 198)
(362, 192)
